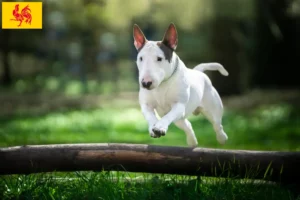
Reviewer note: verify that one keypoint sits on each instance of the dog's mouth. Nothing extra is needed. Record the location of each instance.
(148, 88)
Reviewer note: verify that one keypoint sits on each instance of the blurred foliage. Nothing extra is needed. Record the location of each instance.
(249, 37)
(118, 14)
(87, 14)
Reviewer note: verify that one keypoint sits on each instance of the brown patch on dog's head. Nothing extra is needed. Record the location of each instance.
(168, 52)
(169, 42)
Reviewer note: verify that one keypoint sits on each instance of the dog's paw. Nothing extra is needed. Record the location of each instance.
(222, 138)
(159, 129)
(152, 134)
(192, 142)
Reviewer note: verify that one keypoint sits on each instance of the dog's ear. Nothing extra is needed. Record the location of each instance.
(139, 37)
(170, 38)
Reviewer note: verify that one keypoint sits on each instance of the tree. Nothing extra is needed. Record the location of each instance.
(6, 78)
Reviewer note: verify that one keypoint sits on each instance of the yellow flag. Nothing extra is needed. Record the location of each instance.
(22, 15)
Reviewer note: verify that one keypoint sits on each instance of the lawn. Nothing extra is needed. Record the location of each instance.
(274, 127)
(270, 127)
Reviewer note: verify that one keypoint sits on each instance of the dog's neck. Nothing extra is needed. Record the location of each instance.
(176, 65)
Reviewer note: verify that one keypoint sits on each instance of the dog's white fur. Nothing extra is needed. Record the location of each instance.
(176, 91)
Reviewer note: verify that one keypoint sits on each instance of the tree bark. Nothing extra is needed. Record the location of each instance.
(267, 165)
(6, 77)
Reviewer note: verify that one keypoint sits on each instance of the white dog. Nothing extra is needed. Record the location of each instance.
(168, 87)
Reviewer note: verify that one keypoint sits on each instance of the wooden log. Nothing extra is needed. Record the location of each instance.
(267, 165)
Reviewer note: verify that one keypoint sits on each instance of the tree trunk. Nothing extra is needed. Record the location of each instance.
(6, 78)
(267, 165)
(226, 49)
(277, 53)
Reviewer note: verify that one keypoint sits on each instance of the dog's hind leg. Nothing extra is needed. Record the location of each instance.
(213, 111)
(186, 126)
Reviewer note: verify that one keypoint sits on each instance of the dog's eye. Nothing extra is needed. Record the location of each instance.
(159, 58)
(141, 58)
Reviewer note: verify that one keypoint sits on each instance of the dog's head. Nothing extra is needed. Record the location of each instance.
(154, 59)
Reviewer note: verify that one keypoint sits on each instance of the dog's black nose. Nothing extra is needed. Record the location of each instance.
(146, 84)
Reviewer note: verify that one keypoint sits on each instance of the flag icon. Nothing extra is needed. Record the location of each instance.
(22, 15)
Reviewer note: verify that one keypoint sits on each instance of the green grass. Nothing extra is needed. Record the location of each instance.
(103, 185)
(273, 127)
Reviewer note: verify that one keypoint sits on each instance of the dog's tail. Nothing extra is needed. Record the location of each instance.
(212, 66)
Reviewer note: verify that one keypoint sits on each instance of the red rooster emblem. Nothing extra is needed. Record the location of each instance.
(25, 14)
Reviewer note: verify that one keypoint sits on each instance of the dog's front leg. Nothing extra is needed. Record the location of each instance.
(149, 114)
(177, 112)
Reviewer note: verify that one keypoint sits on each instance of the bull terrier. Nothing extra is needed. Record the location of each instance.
(170, 92)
